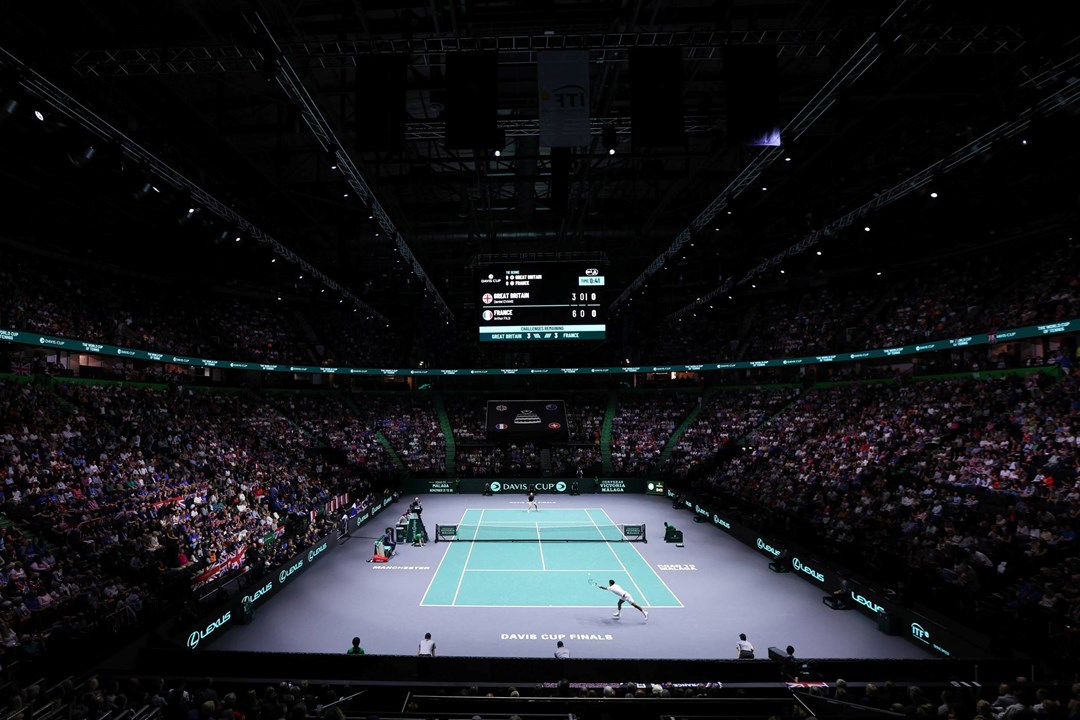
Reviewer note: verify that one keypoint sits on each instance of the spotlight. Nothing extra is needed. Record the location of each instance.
(81, 157)
(9, 108)
(144, 188)
(41, 116)
(609, 139)
(187, 214)
(144, 185)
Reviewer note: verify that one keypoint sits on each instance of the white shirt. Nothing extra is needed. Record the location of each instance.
(427, 647)
(617, 589)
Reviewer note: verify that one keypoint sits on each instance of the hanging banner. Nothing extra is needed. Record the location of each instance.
(563, 84)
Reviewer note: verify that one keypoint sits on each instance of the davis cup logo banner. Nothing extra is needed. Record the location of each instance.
(496, 487)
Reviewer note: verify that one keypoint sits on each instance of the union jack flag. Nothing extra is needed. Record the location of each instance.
(336, 502)
(20, 367)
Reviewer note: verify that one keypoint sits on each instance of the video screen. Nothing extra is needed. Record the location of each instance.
(527, 420)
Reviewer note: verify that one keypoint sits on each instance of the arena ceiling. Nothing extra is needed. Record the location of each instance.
(258, 104)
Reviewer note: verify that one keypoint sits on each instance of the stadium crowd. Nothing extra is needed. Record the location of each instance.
(994, 291)
(723, 419)
(119, 495)
(970, 486)
(100, 696)
(641, 428)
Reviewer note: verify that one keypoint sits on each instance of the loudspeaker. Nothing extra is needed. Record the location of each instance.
(753, 105)
(471, 109)
(380, 102)
(656, 113)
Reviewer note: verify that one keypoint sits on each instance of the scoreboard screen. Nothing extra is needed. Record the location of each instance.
(540, 302)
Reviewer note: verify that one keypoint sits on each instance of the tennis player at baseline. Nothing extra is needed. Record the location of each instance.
(623, 597)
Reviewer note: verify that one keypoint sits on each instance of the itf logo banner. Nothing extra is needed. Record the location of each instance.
(563, 84)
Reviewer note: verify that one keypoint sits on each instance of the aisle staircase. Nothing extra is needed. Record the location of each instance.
(673, 441)
(448, 436)
(605, 432)
(403, 469)
(401, 466)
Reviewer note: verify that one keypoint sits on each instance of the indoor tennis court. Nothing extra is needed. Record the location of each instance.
(516, 599)
(503, 557)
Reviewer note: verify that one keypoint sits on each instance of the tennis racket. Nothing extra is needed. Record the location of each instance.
(591, 581)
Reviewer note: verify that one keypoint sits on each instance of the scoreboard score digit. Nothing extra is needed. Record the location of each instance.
(541, 302)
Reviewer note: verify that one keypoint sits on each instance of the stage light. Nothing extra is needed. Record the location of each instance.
(609, 139)
(933, 194)
(187, 214)
(866, 228)
(9, 108)
(144, 188)
(39, 115)
(83, 156)
(498, 153)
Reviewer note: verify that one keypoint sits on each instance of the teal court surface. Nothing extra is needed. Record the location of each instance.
(513, 558)
(515, 599)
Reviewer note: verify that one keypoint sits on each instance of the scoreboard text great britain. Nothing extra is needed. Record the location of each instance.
(540, 302)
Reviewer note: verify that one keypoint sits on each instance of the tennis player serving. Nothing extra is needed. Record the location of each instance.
(623, 597)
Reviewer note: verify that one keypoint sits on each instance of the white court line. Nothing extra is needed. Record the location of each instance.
(542, 523)
(504, 607)
(628, 574)
(540, 544)
(648, 565)
(439, 566)
(550, 570)
(466, 566)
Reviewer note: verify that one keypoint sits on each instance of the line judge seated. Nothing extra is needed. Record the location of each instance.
(672, 535)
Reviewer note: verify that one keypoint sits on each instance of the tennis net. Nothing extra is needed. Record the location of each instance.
(534, 532)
